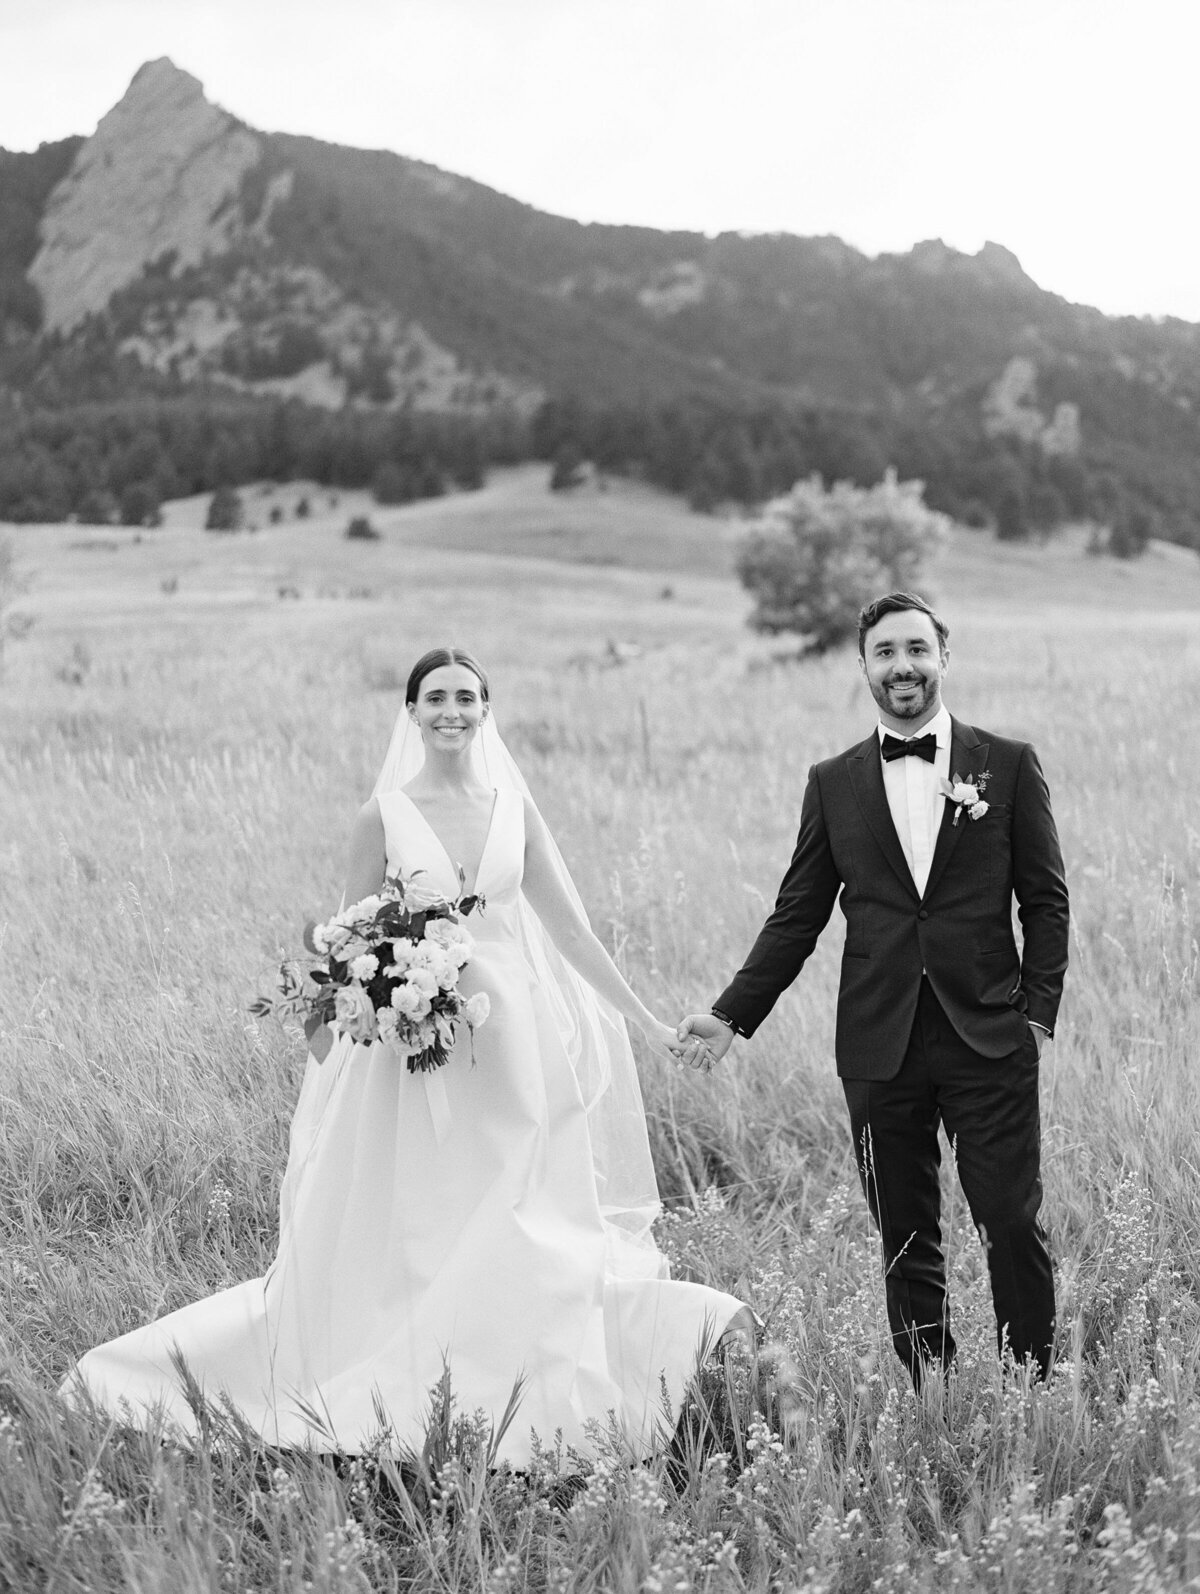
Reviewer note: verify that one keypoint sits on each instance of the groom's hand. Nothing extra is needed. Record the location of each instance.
(702, 1038)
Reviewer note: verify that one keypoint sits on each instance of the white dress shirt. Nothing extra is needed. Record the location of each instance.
(915, 796)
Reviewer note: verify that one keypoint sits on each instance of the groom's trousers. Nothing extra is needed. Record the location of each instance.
(989, 1108)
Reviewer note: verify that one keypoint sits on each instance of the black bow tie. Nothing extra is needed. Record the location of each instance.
(920, 747)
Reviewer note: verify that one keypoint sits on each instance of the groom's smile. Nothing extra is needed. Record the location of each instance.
(904, 662)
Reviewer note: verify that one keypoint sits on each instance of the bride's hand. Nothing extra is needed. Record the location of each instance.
(663, 1039)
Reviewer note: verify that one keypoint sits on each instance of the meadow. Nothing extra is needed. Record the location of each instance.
(187, 727)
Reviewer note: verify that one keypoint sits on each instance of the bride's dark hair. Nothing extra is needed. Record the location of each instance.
(435, 659)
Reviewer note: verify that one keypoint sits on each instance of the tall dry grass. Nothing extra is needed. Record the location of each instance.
(167, 822)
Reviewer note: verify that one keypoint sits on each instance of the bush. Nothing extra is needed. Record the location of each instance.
(1131, 530)
(361, 529)
(224, 511)
(394, 484)
(139, 505)
(97, 507)
(1012, 522)
(820, 554)
(568, 469)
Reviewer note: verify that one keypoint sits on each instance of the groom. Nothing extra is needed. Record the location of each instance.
(939, 1020)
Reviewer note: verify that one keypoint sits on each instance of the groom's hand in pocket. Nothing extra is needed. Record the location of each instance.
(702, 1039)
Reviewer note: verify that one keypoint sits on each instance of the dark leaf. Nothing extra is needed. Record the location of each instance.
(319, 1037)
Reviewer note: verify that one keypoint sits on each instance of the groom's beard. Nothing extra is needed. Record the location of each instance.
(905, 704)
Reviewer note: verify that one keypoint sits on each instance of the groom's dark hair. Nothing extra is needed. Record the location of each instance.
(896, 603)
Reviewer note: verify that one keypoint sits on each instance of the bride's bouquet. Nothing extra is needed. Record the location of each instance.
(386, 969)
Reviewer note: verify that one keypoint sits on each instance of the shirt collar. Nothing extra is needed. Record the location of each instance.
(939, 725)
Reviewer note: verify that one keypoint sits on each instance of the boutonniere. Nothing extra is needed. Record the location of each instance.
(967, 794)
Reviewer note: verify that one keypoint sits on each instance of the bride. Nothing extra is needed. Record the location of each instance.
(493, 1217)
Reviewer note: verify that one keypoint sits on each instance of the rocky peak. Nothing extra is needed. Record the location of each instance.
(154, 178)
(1002, 265)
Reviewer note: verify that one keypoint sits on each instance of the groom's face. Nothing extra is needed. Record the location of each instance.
(903, 662)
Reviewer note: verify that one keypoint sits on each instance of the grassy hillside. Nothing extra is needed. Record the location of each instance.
(181, 751)
(612, 526)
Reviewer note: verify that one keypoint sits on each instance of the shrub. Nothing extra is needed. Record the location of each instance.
(361, 529)
(138, 505)
(1131, 530)
(224, 511)
(394, 484)
(11, 585)
(97, 507)
(568, 469)
(1012, 521)
(819, 555)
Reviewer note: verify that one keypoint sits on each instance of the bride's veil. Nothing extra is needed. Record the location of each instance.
(592, 1031)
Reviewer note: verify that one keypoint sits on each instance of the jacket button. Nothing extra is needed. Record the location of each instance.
(923, 913)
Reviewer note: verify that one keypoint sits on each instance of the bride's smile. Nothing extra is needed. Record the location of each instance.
(450, 708)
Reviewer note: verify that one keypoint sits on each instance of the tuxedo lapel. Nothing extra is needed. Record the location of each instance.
(866, 778)
(968, 759)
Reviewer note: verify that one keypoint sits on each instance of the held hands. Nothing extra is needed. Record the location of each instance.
(701, 1041)
(661, 1037)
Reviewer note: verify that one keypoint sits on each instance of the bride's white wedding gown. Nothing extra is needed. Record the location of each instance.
(437, 1219)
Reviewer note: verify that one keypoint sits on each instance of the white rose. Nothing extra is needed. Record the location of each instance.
(402, 954)
(447, 933)
(476, 1009)
(408, 1000)
(423, 980)
(418, 896)
(441, 967)
(388, 1020)
(364, 967)
(977, 810)
(964, 792)
(354, 1014)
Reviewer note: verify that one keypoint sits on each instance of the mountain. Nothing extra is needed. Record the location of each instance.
(178, 252)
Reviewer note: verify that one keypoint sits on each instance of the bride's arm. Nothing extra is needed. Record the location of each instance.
(368, 854)
(572, 934)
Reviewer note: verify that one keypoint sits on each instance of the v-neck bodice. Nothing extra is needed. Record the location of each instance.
(472, 885)
(413, 845)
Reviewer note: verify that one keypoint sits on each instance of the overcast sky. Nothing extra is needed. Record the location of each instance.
(1064, 129)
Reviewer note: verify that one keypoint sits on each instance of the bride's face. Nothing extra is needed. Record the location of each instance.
(450, 708)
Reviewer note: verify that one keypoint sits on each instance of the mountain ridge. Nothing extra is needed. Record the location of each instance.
(214, 258)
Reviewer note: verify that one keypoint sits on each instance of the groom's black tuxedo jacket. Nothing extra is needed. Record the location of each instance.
(960, 933)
